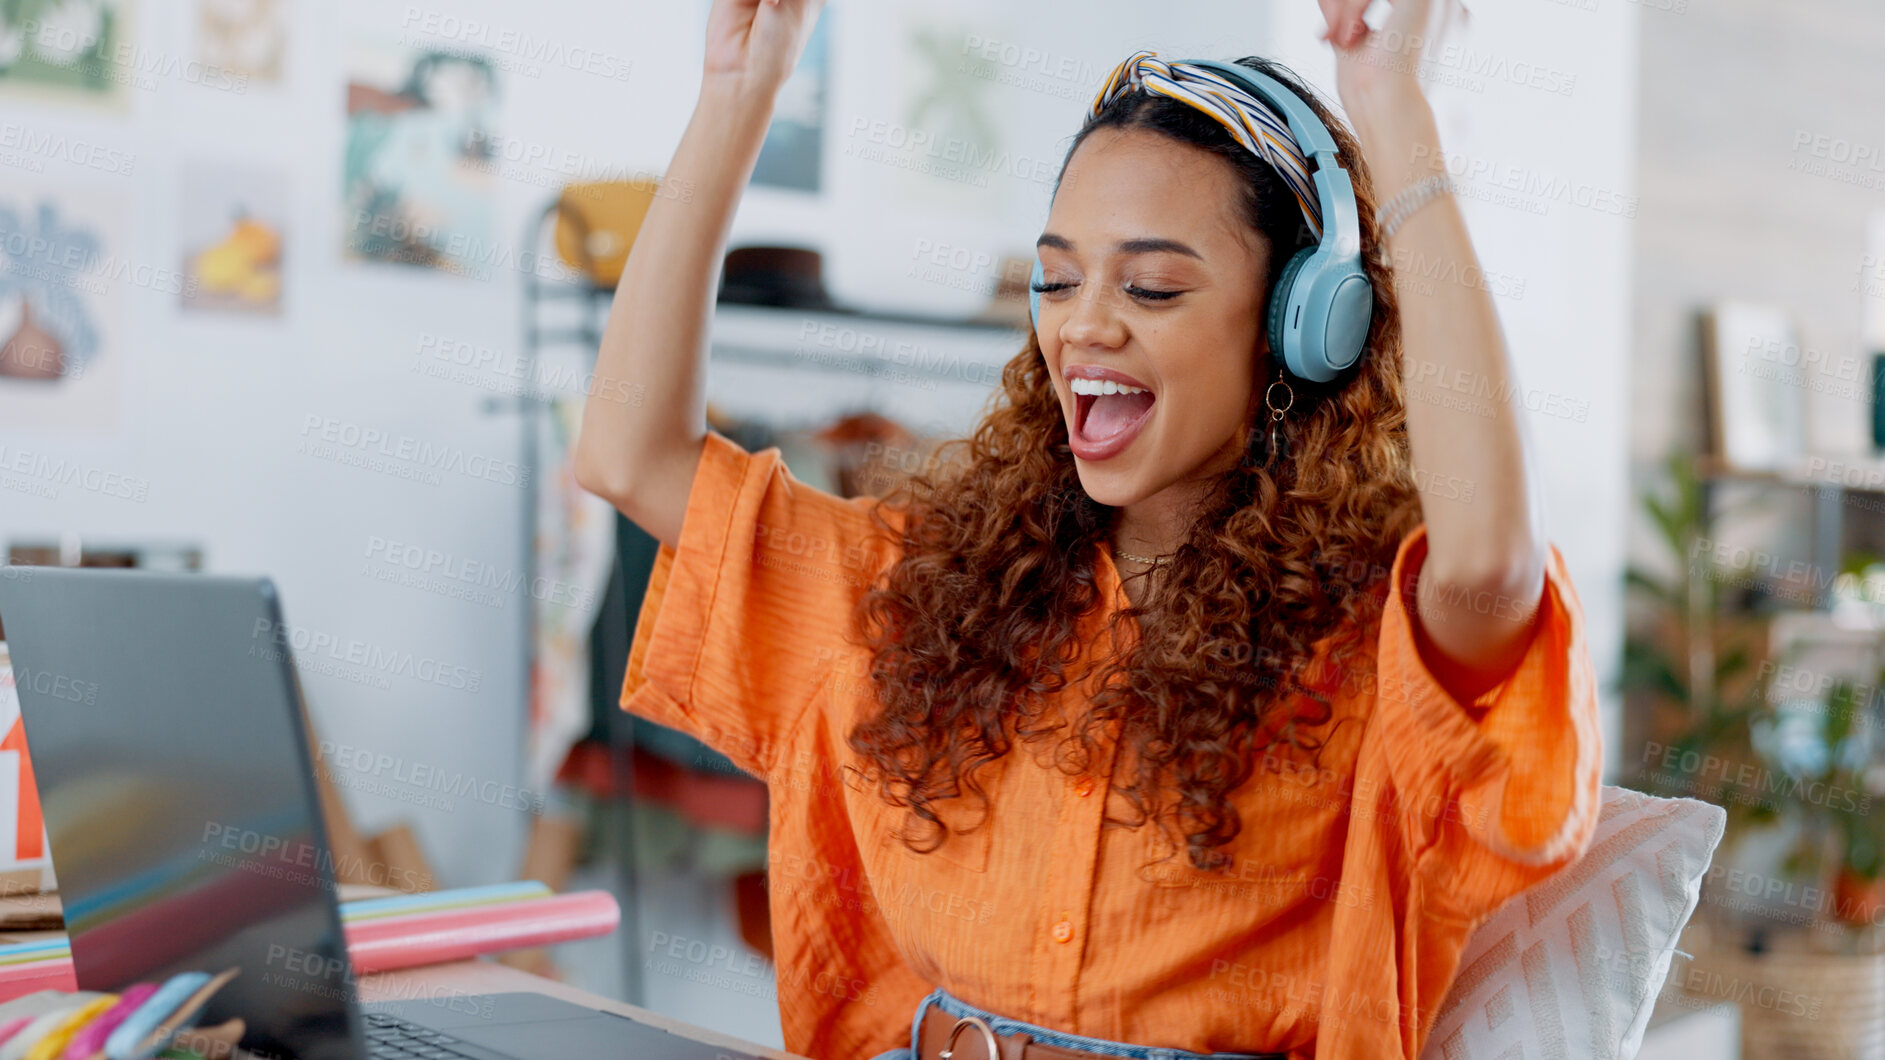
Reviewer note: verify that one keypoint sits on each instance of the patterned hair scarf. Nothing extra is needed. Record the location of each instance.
(1254, 123)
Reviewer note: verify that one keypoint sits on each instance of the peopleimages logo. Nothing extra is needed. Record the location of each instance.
(951, 156)
(1838, 149)
(420, 567)
(309, 643)
(297, 859)
(51, 472)
(1528, 183)
(122, 63)
(350, 764)
(531, 52)
(75, 150)
(327, 435)
(57, 686)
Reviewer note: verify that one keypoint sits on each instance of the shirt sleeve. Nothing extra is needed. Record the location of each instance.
(1496, 794)
(742, 621)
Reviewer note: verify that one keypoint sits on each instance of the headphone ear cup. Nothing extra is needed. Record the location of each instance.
(1035, 279)
(1276, 323)
(1350, 312)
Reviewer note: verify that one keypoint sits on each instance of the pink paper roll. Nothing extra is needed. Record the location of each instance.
(409, 941)
(19, 980)
(460, 934)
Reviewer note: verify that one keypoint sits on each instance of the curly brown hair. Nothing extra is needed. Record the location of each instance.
(975, 624)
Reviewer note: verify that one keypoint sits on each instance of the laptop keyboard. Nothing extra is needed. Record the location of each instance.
(391, 1038)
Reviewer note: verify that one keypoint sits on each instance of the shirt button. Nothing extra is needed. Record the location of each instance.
(1083, 787)
(1063, 931)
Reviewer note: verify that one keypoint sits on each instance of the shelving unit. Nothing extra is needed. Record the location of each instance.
(1827, 536)
(1829, 503)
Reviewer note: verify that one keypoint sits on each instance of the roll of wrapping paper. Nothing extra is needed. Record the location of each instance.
(193, 917)
(383, 934)
(19, 980)
(458, 934)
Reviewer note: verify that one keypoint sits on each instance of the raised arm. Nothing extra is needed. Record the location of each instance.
(642, 457)
(1483, 580)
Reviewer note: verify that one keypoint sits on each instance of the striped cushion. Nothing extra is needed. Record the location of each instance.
(1571, 968)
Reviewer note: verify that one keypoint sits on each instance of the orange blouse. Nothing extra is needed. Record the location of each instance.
(1353, 885)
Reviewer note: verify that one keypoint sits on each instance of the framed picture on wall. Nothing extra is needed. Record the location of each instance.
(244, 37)
(232, 219)
(69, 51)
(1756, 386)
(62, 293)
(418, 186)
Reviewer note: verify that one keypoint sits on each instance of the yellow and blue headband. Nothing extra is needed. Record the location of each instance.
(1253, 123)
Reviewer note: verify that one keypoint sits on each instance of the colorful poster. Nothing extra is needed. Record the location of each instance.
(418, 178)
(65, 49)
(232, 221)
(62, 283)
(244, 37)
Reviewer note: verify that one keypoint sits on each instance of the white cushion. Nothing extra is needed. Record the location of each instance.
(1571, 967)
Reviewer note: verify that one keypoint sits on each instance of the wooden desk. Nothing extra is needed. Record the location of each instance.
(441, 981)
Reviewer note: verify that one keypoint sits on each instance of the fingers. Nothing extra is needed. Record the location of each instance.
(1345, 26)
(1331, 13)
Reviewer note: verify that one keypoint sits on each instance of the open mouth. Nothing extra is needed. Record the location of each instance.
(1107, 416)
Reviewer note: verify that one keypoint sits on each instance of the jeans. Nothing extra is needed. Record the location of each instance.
(1002, 1026)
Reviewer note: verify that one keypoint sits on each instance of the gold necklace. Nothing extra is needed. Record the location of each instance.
(1153, 560)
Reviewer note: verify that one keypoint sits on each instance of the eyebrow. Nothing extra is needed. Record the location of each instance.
(1145, 245)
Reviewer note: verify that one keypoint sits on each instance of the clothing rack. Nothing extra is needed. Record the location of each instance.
(590, 302)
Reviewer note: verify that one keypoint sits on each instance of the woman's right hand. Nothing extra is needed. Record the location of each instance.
(754, 44)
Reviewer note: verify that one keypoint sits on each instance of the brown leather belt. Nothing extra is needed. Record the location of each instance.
(944, 1037)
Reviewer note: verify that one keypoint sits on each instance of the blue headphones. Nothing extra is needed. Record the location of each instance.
(1321, 303)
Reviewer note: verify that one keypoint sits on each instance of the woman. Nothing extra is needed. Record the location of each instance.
(1206, 715)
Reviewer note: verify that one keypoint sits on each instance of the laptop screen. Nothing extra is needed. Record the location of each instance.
(171, 755)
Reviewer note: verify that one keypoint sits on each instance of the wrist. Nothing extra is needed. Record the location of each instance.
(1400, 141)
(737, 93)
(1388, 112)
(734, 108)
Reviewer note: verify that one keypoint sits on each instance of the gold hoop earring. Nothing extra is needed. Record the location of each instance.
(1276, 417)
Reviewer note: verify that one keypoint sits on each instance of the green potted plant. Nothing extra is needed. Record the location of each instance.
(1792, 772)
(1689, 676)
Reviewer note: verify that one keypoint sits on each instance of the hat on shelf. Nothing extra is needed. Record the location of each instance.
(792, 277)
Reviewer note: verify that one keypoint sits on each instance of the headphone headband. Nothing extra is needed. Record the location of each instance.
(1246, 103)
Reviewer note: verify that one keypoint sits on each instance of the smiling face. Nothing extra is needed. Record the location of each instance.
(1154, 282)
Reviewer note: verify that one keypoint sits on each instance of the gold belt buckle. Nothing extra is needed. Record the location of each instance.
(988, 1038)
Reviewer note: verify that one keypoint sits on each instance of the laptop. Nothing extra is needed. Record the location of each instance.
(170, 745)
